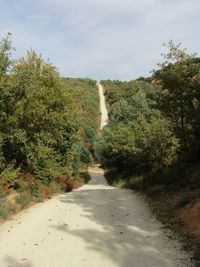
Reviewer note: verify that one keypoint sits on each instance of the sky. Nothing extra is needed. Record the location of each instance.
(101, 39)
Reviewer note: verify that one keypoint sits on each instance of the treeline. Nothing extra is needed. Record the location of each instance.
(47, 123)
(154, 124)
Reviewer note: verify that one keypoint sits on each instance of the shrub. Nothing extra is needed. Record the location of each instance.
(47, 123)
(140, 146)
(24, 199)
(56, 188)
(85, 176)
(2, 193)
(27, 182)
(6, 209)
(45, 192)
(65, 182)
(9, 175)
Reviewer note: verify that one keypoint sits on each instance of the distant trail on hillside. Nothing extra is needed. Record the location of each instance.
(104, 113)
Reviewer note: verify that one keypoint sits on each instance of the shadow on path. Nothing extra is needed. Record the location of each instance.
(126, 232)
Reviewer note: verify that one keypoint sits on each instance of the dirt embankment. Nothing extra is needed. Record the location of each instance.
(179, 211)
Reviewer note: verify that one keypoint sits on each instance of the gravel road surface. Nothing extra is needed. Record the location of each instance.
(94, 226)
(104, 113)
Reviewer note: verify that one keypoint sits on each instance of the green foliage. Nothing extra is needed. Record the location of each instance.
(44, 162)
(154, 124)
(139, 147)
(85, 155)
(56, 188)
(86, 96)
(117, 90)
(138, 139)
(9, 175)
(40, 119)
(5, 48)
(1, 154)
(6, 209)
(85, 175)
(47, 123)
(129, 108)
(24, 199)
(179, 97)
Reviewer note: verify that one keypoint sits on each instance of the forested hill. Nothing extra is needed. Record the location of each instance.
(47, 127)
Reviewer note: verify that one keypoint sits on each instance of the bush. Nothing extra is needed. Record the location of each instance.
(56, 188)
(45, 192)
(136, 182)
(85, 176)
(24, 199)
(27, 182)
(2, 193)
(85, 155)
(6, 209)
(140, 146)
(64, 182)
(9, 175)
(138, 139)
(47, 123)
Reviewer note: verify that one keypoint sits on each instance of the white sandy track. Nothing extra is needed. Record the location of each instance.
(94, 226)
(104, 113)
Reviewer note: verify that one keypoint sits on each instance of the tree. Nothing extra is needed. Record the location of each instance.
(138, 138)
(6, 93)
(179, 99)
(5, 53)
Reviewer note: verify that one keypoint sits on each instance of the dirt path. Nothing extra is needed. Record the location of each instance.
(94, 226)
(104, 113)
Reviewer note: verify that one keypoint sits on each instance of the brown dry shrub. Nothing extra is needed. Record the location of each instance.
(45, 192)
(68, 184)
(78, 182)
(27, 176)
(65, 182)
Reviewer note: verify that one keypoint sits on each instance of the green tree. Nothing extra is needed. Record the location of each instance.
(179, 100)
(138, 138)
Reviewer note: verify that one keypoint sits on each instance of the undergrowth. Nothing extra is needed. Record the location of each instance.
(28, 190)
(175, 178)
(6, 209)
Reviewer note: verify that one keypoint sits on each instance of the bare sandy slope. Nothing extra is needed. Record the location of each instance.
(94, 226)
(104, 113)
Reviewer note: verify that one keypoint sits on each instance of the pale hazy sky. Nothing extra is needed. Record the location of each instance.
(100, 39)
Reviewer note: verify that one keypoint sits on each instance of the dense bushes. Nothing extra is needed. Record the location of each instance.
(35, 117)
(47, 126)
(138, 138)
(179, 101)
(154, 123)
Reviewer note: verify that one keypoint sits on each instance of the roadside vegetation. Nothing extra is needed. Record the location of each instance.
(154, 124)
(151, 142)
(47, 129)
